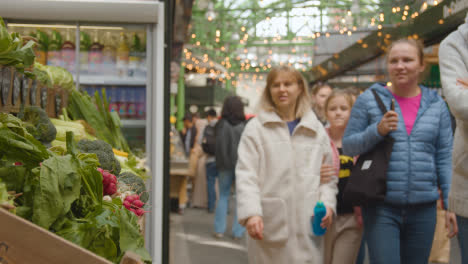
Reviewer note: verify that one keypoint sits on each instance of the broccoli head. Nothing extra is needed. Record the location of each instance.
(135, 183)
(38, 124)
(103, 152)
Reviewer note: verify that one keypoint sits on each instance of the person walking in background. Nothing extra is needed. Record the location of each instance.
(188, 133)
(278, 174)
(319, 95)
(208, 143)
(453, 61)
(228, 133)
(343, 238)
(401, 228)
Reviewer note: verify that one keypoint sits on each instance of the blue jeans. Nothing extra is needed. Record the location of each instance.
(399, 234)
(211, 174)
(362, 252)
(226, 179)
(463, 237)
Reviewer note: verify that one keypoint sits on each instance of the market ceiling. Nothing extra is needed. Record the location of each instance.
(254, 35)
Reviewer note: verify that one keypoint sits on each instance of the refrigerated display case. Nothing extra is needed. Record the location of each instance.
(117, 46)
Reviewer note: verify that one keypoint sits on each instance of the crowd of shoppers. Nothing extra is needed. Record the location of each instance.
(301, 149)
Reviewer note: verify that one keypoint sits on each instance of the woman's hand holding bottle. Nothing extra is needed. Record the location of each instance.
(327, 220)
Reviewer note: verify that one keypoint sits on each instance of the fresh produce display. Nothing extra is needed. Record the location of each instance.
(17, 144)
(80, 129)
(58, 76)
(106, 124)
(134, 183)
(133, 203)
(63, 192)
(104, 153)
(109, 182)
(38, 124)
(12, 51)
(6, 201)
(62, 173)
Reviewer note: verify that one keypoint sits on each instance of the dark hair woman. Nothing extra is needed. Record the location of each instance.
(228, 133)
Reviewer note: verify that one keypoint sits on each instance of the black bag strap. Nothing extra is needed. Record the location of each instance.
(379, 102)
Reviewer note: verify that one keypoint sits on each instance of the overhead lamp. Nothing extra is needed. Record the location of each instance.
(210, 14)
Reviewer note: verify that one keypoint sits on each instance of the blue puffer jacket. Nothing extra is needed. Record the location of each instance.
(420, 162)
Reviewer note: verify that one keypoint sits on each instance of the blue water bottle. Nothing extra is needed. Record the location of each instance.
(319, 212)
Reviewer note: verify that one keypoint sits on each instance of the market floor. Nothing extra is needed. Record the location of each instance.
(191, 242)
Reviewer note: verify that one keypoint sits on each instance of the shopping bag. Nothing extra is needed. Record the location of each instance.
(440, 252)
(368, 181)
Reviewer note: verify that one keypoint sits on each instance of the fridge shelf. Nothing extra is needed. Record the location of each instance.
(133, 123)
(111, 80)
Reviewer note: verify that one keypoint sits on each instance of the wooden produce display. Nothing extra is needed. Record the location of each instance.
(57, 99)
(24, 242)
(16, 92)
(6, 88)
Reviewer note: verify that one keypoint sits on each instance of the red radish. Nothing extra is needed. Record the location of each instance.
(18, 163)
(140, 212)
(138, 203)
(109, 182)
(126, 204)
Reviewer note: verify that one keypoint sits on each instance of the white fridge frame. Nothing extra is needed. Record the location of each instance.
(149, 13)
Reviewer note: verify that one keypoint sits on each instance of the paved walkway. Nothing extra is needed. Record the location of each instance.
(191, 241)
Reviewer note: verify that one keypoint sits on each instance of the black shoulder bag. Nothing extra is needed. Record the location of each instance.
(367, 184)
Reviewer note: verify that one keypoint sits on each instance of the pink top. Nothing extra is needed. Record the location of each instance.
(409, 109)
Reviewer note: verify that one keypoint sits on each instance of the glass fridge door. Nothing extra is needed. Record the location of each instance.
(113, 58)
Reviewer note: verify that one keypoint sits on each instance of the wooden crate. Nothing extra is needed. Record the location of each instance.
(24, 242)
(44, 96)
(6, 84)
(16, 92)
(25, 88)
(58, 99)
(34, 93)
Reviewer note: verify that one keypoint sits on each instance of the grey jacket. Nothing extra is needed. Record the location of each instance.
(227, 142)
(453, 54)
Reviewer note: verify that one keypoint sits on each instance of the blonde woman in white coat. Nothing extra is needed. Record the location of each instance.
(278, 174)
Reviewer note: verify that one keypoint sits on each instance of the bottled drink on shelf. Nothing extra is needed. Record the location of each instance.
(95, 55)
(108, 54)
(131, 102)
(141, 105)
(68, 52)
(113, 100)
(122, 103)
(122, 56)
(134, 57)
(85, 43)
(41, 48)
(54, 56)
(142, 66)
